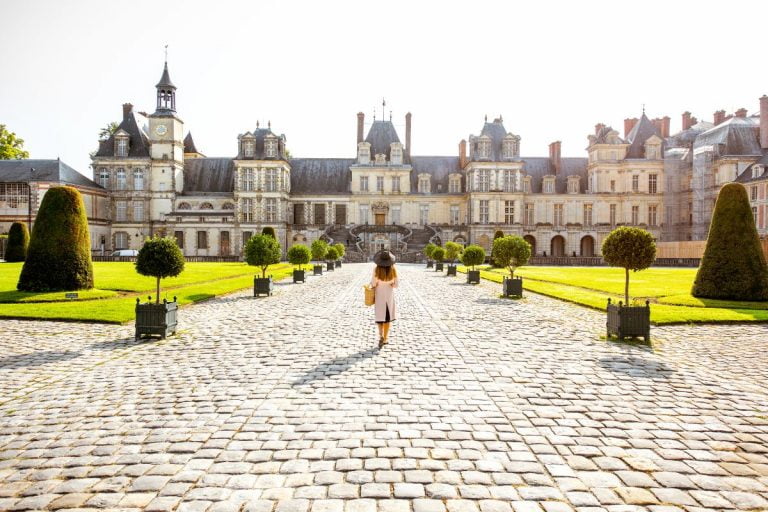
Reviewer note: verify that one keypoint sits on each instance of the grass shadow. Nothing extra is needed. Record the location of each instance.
(636, 367)
(37, 358)
(334, 367)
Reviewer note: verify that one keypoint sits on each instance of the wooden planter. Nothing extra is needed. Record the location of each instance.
(262, 286)
(451, 270)
(298, 276)
(430, 264)
(512, 287)
(156, 319)
(438, 267)
(473, 277)
(329, 266)
(629, 321)
(317, 270)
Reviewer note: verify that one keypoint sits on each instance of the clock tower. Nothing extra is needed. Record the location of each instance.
(166, 149)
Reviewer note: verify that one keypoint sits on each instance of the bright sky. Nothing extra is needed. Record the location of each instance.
(552, 69)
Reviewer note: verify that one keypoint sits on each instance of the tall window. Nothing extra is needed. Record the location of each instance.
(122, 146)
(424, 214)
(635, 183)
(509, 180)
(395, 183)
(613, 185)
(483, 180)
(424, 185)
(635, 215)
(246, 209)
(270, 180)
(753, 193)
(121, 211)
(121, 180)
(249, 148)
(509, 212)
(484, 211)
(202, 239)
(270, 148)
(454, 185)
(549, 186)
(104, 177)
(138, 211)
(395, 214)
(364, 183)
(247, 236)
(573, 186)
(454, 214)
(588, 214)
(612, 210)
(179, 236)
(121, 240)
(363, 214)
(652, 183)
(379, 183)
(529, 214)
(558, 215)
(484, 148)
(652, 215)
(270, 214)
(248, 179)
(527, 185)
(138, 179)
(754, 214)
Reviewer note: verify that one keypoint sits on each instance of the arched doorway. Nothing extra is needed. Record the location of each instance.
(557, 247)
(531, 240)
(588, 246)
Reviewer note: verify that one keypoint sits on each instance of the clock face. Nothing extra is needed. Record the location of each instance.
(161, 129)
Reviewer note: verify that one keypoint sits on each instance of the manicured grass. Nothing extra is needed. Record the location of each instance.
(205, 280)
(592, 286)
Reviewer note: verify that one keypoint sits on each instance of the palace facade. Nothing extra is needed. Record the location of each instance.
(383, 196)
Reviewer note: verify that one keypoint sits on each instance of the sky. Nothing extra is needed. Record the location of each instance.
(551, 69)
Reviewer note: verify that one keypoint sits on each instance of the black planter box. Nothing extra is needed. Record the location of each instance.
(156, 319)
(512, 287)
(298, 276)
(330, 266)
(438, 267)
(262, 285)
(629, 321)
(317, 270)
(473, 277)
(451, 270)
(338, 264)
(430, 264)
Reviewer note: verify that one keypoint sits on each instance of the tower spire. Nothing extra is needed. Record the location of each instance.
(166, 91)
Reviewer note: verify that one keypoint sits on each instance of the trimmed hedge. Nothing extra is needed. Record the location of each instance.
(733, 266)
(59, 256)
(269, 231)
(18, 243)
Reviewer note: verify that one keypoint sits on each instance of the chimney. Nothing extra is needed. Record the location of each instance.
(462, 153)
(764, 122)
(662, 125)
(629, 124)
(408, 137)
(554, 156)
(598, 127)
(742, 112)
(687, 120)
(360, 123)
(719, 117)
(127, 109)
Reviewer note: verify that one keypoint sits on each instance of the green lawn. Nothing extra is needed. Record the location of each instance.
(117, 287)
(667, 288)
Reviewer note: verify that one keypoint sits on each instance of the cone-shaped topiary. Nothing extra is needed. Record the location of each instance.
(59, 255)
(262, 251)
(270, 231)
(299, 255)
(733, 266)
(18, 243)
(160, 258)
(631, 248)
(473, 255)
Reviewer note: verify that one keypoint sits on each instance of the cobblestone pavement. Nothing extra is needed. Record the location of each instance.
(478, 403)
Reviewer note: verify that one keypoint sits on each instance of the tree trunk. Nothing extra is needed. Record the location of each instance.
(264, 272)
(157, 297)
(511, 272)
(626, 286)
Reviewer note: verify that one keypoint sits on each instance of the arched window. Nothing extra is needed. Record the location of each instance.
(206, 206)
(228, 206)
(183, 206)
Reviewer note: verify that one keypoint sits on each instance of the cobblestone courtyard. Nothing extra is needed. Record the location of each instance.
(477, 404)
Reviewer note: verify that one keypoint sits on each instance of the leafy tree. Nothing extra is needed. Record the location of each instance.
(319, 248)
(473, 255)
(108, 130)
(11, 146)
(340, 249)
(59, 255)
(160, 258)
(262, 251)
(331, 254)
(511, 252)
(733, 266)
(299, 255)
(496, 235)
(630, 248)
(438, 254)
(452, 251)
(270, 231)
(428, 250)
(18, 243)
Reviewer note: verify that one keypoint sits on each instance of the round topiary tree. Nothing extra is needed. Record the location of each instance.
(511, 252)
(438, 254)
(733, 266)
(452, 251)
(428, 250)
(18, 243)
(340, 249)
(331, 254)
(630, 248)
(319, 248)
(59, 254)
(160, 258)
(269, 231)
(262, 251)
(473, 255)
(299, 255)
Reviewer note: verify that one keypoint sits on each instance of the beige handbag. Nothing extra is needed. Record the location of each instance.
(370, 295)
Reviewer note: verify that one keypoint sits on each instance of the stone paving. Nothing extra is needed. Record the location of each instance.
(478, 404)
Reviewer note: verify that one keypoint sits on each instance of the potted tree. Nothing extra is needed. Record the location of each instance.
(262, 251)
(318, 248)
(331, 255)
(511, 252)
(299, 255)
(472, 256)
(632, 249)
(428, 253)
(452, 251)
(438, 254)
(159, 258)
(341, 250)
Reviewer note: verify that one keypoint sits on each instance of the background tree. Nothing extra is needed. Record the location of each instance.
(331, 254)
(630, 248)
(473, 255)
(59, 255)
(452, 251)
(340, 249)
(108, 130)
(438, 254)
(262, 251)
(428, 250)
(18, 243)
(733, 266)
(511, 252)
(299, 255)
(319, 248)
(496, 235)
(269, 231)
(160, 258)
(11, 146)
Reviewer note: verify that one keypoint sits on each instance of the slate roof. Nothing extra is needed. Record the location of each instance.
(736, 136)
(538, 167)
(209, 176)
(189, 144)
(439, 167)
(686, 138)
(746, 176)
(380, 136)
(643, 130)
(165, 80)
(138, 144)
(45, 170)
(321, 175)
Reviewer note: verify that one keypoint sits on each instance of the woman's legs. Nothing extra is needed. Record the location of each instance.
(386, 330)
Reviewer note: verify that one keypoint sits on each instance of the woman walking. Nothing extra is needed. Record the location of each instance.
(384, 282)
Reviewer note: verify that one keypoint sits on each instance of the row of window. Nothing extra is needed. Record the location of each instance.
(510, 147)
(557, 214)
(121, 211)
(205, 206)
(653, 181)
(424, 184)
(248, 209)
(14, 195)
(249, 180)
(270, 147)
(121, 179)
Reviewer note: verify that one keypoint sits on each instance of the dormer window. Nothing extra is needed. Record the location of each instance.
(396, 154)
(527, 185)
(121, 145)
(511, 147)
(757, 170)
(484, 148)
(249, 148)
(381, 159)
(454, 184)
(573, 184)
(270, 147)
(549, 185)
(424, 185)
(364, 153)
